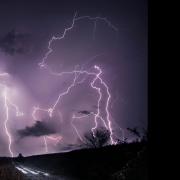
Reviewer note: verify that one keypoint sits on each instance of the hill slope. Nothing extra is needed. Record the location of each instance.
(126, 161)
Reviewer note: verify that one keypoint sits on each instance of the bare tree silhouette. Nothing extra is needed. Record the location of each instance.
(135, 132)
(99, 139)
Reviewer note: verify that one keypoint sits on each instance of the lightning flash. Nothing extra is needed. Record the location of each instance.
(7, 104)
(97, 84)
(97, 77)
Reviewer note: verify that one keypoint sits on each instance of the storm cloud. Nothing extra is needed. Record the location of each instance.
(14, 42)
(40, 128)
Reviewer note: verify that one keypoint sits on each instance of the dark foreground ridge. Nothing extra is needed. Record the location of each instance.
(116, 162)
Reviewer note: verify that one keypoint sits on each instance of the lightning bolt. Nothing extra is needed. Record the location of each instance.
(121, 129)
(8, 102)
(76, 73)
(45, 143)
(6, 121)
(35, 109)
(18, 112)
(107, 104)
(43, 64)
(57, 139)
(76, 130)
(98, 89)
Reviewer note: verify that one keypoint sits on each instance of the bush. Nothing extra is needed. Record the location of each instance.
(98, 139)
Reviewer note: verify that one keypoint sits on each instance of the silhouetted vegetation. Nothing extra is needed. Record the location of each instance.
(123, 161)
(134, 131)
(98, 139)
(109, 162)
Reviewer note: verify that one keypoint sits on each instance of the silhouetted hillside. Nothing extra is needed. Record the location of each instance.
(125, 161)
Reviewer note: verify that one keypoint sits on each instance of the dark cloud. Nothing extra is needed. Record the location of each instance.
(40, 128)
(14, 42)
(84, 112)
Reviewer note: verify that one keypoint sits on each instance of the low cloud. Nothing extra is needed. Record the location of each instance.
(40, 128)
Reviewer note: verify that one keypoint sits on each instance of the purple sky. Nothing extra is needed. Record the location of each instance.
(26, 28)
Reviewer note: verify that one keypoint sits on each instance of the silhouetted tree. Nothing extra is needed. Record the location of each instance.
(140, 136)
(20, 158)
(20, 155)
(145, 135)
(120, 141)
(134, 131)
(99, 139)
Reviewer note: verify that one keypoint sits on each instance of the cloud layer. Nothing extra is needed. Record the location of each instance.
(40, 128)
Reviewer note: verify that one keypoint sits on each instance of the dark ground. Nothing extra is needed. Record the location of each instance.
(120, 162)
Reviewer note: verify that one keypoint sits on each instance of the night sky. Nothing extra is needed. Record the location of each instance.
(25, 29)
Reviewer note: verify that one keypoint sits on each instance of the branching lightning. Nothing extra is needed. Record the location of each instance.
(75, 18)
(56, 139)
(76, 73)
(35, 109)
(98, 89)
(96, 79)
(7, 103)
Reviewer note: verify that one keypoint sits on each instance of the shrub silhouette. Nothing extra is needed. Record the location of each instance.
(20, 158)
(20, 155)
(99, 139)
(140, 136)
